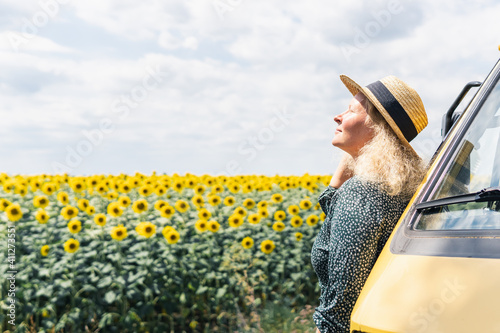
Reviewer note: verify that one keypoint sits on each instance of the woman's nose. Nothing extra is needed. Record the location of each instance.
(338, 118)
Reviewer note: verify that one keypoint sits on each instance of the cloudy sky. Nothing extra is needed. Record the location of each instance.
(219, 86)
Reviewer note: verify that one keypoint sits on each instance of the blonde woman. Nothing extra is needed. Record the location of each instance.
(368, 192)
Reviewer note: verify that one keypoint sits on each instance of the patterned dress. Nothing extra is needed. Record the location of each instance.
(359, 219)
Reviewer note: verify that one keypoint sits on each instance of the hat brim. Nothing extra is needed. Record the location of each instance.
(355, 88)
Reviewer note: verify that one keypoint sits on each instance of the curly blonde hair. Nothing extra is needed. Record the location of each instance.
(385, 160)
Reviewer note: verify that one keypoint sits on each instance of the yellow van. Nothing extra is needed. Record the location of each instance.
(440, 270)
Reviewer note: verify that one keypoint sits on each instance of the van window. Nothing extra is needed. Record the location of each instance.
(474, 167)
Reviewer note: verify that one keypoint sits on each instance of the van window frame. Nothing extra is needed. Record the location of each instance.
(451, 243)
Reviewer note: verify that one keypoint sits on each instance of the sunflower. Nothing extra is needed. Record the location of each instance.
(166, 230)
(48, 188)
(178, 186)
(312, 220)
(40, 201)
(114, 209)
(44, 251)
(249, 203)
(262, 204)
(71, 245)
(204, 214)
(306, 183)
(14, 212)
(222, 179)
(317, 206)
(167, 211)
(278, 226)
(172, 236)
(8, 186)
(159, 204)
(4, 203)
(285, 185)
(102, 188)
(214, 200)
(217, 188)
(247, 188)
(21, 190)
(82, 204)
(198, 200)
(199, 189)
(277, 198)
(208, 180)
(35, 185)
(90, 210)
(112, 195)
(146, 229)
(160, 190)
(296, 221)
(140, 206)
(77, 185)
(322, 216)
(42, 216)
(254, 218)
(235, 220)
(213, 226)
(229, 201)
(124, 201)
(191, 182)
(145, 190)
(279, 215)
(247, 242)
(201, 225)
(182, 206)
(68, 212)
(240, 211)
(263, 213)
(293, 209)
(74, 226)
(125, 187)
(119, 232)
(92, 181)
(298, 236)
(100, 219)
(305, 204)
(233, 187)
(134, 182)
(267, 246)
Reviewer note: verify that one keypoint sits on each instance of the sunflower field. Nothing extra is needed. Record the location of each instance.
(155, 253)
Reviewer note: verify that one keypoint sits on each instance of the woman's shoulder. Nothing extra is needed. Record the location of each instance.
(369, 191)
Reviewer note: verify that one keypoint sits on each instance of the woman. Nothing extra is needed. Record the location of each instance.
(368, 192)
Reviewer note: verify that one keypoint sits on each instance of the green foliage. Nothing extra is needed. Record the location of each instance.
(206, 282)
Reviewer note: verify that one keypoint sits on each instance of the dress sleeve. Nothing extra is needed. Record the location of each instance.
(325, 198)
(353, 244)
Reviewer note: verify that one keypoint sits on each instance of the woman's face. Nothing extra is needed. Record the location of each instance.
(352, 133)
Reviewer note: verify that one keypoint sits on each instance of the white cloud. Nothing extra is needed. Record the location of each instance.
(22, 42)
(219, 82)
(170, 42)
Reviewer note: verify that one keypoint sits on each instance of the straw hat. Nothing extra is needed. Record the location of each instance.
(398, 103)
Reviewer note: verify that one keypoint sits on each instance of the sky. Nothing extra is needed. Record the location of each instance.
(219, 86)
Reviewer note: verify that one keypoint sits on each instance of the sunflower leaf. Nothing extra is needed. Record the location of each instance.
(201, 290)
(110, 297)
(220, 293)
(105, 282)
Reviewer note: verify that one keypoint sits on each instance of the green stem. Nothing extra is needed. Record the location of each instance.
(73, 265)
(122, 289)
(119, 251)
